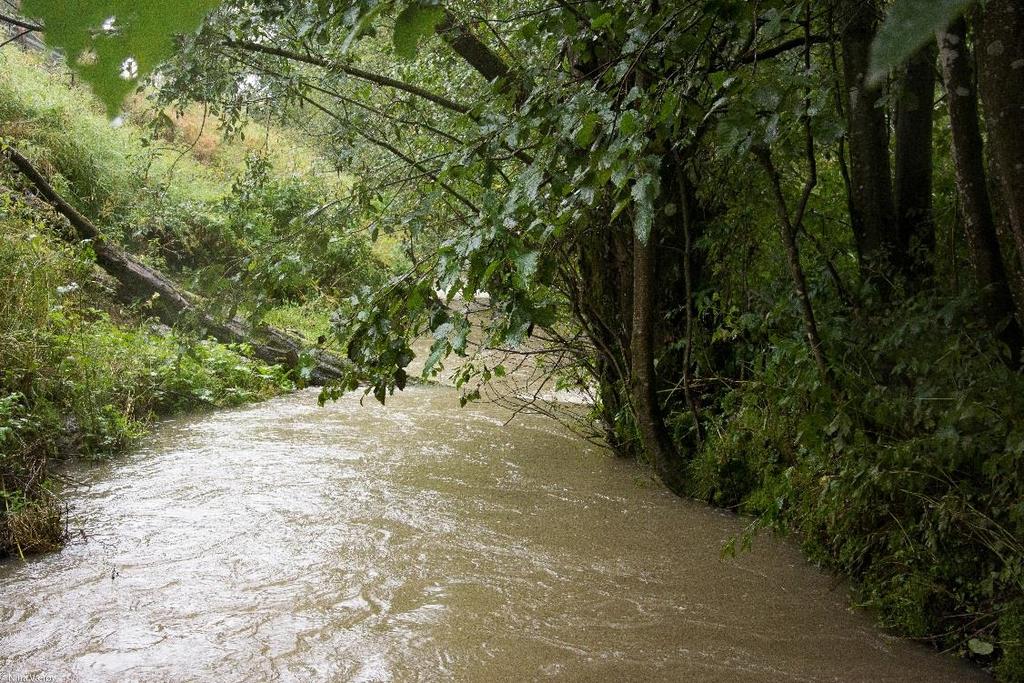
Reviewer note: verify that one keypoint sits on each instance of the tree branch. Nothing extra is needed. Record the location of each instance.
(482, 58)
(21, 23)
(355, 72)
(756, 55)
(383, 144)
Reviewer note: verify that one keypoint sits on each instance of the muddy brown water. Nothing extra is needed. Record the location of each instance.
(417, 542)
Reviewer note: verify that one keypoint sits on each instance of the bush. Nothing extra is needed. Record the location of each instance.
(80, 378)
(909, 480)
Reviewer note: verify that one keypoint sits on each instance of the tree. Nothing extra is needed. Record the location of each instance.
(914, 161)
(971, 182)
(999, 26)
(873, 214)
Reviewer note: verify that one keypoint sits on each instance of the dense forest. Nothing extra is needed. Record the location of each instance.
(779, 244)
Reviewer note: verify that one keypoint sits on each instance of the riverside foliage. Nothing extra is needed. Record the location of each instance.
(81, 374)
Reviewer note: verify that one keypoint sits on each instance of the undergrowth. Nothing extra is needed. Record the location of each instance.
(81, 377)
(906, 478)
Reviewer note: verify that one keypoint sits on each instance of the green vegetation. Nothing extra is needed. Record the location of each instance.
(81, 379)
(781, 243)
(81, 374)
(902, 485)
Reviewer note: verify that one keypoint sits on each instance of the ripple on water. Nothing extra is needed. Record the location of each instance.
(285, 541)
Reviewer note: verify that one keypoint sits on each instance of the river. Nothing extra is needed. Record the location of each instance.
(417, 542)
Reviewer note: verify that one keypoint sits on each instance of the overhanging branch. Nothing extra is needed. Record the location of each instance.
(21, 23)
(355, 72)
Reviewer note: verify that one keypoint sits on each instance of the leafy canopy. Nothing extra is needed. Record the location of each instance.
(112, 43)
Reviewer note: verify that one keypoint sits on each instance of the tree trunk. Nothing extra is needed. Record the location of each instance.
(999, 36)
(605, 279)
(686, 204)
(140, 283)
(914, 125)
(972, 189)
(644, 382)
(873, 215)
(462, 41)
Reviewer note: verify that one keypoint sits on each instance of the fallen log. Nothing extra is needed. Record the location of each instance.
(138, 282)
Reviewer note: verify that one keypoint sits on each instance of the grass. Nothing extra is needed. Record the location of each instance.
(80, 375)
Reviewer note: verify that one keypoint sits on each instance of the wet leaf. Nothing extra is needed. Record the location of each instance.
(112, 44)
(909, 25)
(645, 189)
(415, 23)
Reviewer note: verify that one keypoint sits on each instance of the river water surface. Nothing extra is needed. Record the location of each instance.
(416, 542)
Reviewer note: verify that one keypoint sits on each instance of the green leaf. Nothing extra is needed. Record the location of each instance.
(909, 25)
(645, 189)
(629, 123)
(602, 21)
(111, 44)
(438, 350)
(527, 266)
(531, 179)
(416, 22)
(405, 357)
(619, 207)
(588, 126)
(980, 647)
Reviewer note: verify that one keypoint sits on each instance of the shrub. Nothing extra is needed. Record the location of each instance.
(76, 381)
(909, 480)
